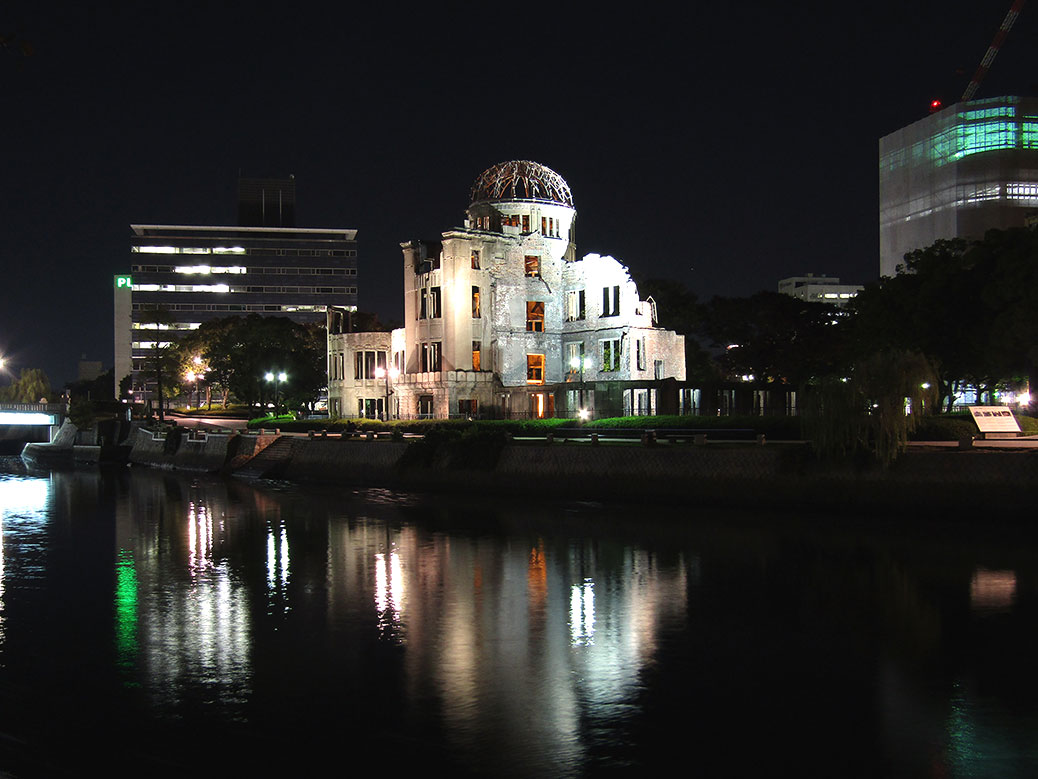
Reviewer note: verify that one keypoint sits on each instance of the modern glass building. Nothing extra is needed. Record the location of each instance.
(957, 173)
(194, 274)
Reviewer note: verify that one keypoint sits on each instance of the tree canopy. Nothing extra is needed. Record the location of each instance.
(967, 305)
(31, 386)
(236, 353)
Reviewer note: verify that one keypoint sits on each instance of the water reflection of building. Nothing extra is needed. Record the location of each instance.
(495, 634)
(992, 590)
(182, 619)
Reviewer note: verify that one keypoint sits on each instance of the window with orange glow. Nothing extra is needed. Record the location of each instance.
(535, 369)
(535, 316)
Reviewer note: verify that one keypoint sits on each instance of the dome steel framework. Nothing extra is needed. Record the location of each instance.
(521, 180)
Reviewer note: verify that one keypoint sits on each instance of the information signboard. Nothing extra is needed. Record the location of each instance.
(994, 419)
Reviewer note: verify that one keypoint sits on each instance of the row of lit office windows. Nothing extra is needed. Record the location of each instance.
(241, 270)
(257, 252)
(288, 309)
(249, 289)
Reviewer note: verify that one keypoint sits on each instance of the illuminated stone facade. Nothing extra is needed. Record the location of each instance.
(957, 173)
(502, 319)
(359, 384)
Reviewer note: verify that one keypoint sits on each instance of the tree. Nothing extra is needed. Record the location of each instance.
(164, 355)
(238, 352)
(967, 305)
(31, 387)
(873, 410)
(101, 388)
(775, 338)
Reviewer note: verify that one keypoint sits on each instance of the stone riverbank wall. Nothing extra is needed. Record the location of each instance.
(730, 474)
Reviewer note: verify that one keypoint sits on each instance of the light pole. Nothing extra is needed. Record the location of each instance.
(194, 377)
(392, 373)
(277, 378)
(581, 363)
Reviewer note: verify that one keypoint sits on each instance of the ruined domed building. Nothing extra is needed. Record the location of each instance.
(502, 319)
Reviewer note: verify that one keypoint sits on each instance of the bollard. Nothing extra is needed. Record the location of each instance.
(324, 434)
(761, 440)
(310, 434)
(649, 438)
(594, 439)
(549, 438)
(371, 435)
(699, 439)
(966, 442)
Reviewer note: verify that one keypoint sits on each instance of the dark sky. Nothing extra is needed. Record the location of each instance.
(724, 149)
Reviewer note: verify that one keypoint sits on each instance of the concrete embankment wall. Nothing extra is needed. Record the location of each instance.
(715, 474)
(332, 461)
(208, 452)
(730, 474)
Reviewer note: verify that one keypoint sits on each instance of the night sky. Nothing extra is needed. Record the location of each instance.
(724, 149)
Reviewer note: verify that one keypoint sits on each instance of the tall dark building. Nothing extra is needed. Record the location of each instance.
(267, 202)
(195, 274)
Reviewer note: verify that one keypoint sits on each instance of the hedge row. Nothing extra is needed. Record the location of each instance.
(787, 428)
(946, 427)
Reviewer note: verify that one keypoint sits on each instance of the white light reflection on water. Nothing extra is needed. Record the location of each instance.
(389, 594)
(200, 537)
(191, 617)
(277, 568)
(582, 613)
(23, 504)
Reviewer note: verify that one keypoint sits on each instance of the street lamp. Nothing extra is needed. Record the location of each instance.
(392, 373)
(277, 378)
(581, 363)
(194, 377)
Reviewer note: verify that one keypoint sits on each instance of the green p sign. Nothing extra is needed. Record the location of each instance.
(123, 282)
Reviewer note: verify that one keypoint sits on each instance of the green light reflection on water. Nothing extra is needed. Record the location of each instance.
(126, 611)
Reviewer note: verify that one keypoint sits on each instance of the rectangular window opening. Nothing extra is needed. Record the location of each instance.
(535, 369)
(534, 316)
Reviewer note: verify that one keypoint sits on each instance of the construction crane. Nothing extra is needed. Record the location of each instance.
(992, 52)
(989, 57)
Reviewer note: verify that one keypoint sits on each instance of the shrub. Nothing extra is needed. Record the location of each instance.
(944, 428)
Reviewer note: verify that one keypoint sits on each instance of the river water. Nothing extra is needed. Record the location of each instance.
(157, 624)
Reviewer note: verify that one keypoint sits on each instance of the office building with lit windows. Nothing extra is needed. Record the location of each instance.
(195, 274)
(502, 319)
(957, 173)
(819, 289)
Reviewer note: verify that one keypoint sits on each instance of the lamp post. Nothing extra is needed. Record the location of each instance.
(392, 373)
(277, 378)
(193, 378)
(581, 363)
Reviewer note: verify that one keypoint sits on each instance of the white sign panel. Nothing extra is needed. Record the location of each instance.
(994, 419)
